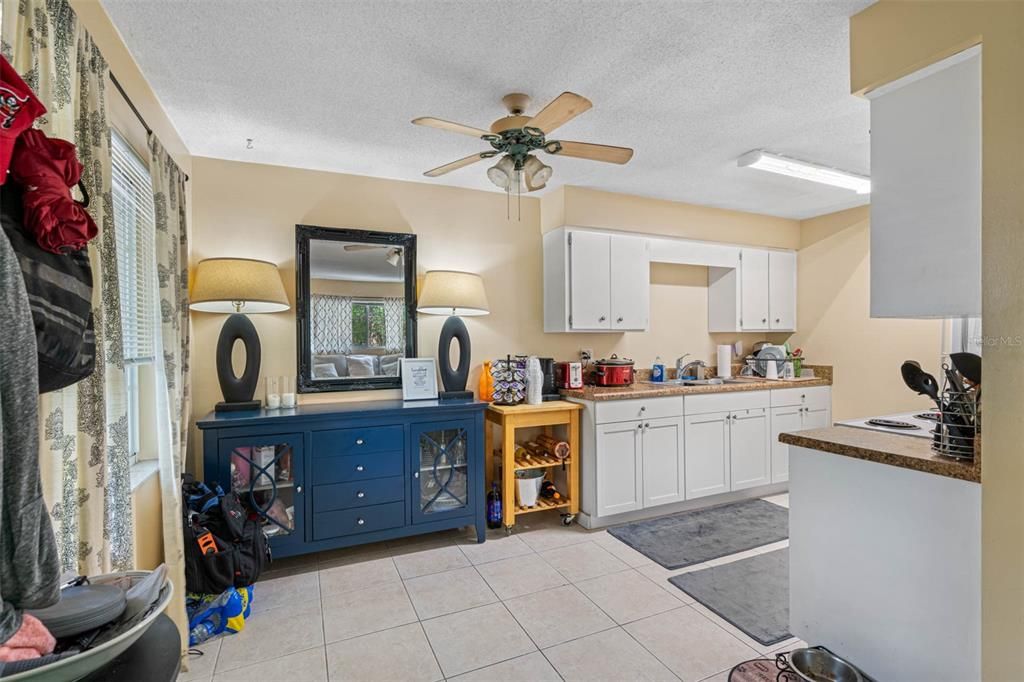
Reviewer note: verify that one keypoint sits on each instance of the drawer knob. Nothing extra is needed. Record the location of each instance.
(298, 488)
(359, 467)
(764, 319)
(360, 494)
(619, 320)
(601, 319)
(360, 522)
(643, 408)
(359, 441)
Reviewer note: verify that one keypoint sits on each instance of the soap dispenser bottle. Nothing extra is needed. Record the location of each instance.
(658, 370)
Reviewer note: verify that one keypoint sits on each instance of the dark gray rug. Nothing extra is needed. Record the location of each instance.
(752, 594)
(693, 537)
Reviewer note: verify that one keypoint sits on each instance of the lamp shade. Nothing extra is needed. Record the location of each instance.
(231, 285)
(448, 292)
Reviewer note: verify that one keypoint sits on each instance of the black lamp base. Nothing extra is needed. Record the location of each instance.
(237, 407)
(455, 395)
(238, 390)
(453, 378)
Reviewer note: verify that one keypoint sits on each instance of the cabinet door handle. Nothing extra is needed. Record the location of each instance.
(619, 320)
(776, 320)
(359, 467)
(360, 522)
(298, 489)
(359, 441)
(602, 318)
(416, 475)
(643, 408)
(360, 494)
(764, 319)
(647, 425)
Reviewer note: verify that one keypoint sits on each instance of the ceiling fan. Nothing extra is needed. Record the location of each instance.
(516, 137)
(393, 255)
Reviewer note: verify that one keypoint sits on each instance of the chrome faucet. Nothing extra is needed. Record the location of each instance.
(683, 370)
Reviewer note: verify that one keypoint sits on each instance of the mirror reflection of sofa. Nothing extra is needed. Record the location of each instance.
(366, 362)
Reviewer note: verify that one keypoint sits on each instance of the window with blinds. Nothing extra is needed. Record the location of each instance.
(136, 256)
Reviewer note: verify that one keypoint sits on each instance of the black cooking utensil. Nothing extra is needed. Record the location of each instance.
(919, 381)
(954, 380)
(969, 366)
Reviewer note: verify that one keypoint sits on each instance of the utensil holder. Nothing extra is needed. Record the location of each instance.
(959, 422)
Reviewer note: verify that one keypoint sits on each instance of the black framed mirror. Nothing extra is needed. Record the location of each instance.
(355, 307)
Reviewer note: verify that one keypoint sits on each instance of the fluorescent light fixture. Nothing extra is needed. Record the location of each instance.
(783, 165)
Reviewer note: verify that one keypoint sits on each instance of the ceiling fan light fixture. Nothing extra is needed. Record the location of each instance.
(501, 173)
(394, 257)
(537, 173)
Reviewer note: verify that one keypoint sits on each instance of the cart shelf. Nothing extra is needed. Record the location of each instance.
(543, 504)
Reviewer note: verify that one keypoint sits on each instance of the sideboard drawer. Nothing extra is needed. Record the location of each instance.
(358, 493)
(333, 524)
(355, 441)
(357, 467)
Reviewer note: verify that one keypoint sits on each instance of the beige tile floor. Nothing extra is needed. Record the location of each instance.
(546, 603)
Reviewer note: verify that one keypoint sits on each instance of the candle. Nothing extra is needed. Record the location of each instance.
(273, 401)
(287, 400)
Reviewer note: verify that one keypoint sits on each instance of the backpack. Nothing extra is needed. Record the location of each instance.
(59, 290)
(225, 545)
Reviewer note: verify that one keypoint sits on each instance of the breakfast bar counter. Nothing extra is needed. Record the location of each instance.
(885, 448)
(885, 552)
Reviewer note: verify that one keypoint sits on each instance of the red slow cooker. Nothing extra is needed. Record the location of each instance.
(615, 371)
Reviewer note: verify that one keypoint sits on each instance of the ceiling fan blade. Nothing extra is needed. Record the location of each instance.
(442, 124)
(560, 111)
(593, 152)
(455, 165)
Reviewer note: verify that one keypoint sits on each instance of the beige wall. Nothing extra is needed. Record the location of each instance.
(889, 40)
(835, 328)
(250, 210)
(147, 514)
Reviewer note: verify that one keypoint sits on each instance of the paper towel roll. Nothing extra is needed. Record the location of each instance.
(725, 361)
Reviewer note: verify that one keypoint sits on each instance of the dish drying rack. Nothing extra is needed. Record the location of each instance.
(959, 420)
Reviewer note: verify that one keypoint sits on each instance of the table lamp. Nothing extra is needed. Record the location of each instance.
(237, 286)
(447, 292)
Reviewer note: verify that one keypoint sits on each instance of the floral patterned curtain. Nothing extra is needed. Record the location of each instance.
(173, 346)
(84, 454)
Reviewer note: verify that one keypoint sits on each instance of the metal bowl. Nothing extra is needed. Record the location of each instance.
(819, 665)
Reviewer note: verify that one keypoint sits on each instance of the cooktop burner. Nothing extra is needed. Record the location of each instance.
(893, 424)
(930, 416)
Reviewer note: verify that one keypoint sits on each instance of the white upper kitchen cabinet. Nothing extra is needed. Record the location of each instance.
(630, 282)
(595, 281)
(926, 191)
(782, 290)
(758, 295)
(663, 473)
(754, 284)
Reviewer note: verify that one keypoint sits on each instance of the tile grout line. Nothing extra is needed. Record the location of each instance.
(323, 625)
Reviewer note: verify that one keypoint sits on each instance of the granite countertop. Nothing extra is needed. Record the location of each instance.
(640, 389)
(886, 448)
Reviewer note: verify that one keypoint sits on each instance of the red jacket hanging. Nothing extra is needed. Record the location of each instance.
(47, 169)
(18, 108)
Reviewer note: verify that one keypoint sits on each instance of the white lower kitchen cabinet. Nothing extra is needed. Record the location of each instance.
(707, 454)
(796, 409)
(662, 461)
(749, 449)
(618, 467)
(649, 456)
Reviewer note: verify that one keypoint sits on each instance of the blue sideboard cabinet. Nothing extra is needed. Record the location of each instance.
(342, 474)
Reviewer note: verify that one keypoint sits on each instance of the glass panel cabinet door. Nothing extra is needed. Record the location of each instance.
(266, 472)
(443, 483)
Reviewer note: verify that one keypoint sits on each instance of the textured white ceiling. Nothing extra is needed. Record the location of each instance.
(332, 85)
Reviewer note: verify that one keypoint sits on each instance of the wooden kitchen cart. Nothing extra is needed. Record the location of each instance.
(546, 415)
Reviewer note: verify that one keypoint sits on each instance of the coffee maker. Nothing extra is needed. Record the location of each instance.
(548, 390)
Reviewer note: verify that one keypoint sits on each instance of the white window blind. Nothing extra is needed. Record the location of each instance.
(136, 256)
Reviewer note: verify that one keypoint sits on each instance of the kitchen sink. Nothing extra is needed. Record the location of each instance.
(697, 382)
